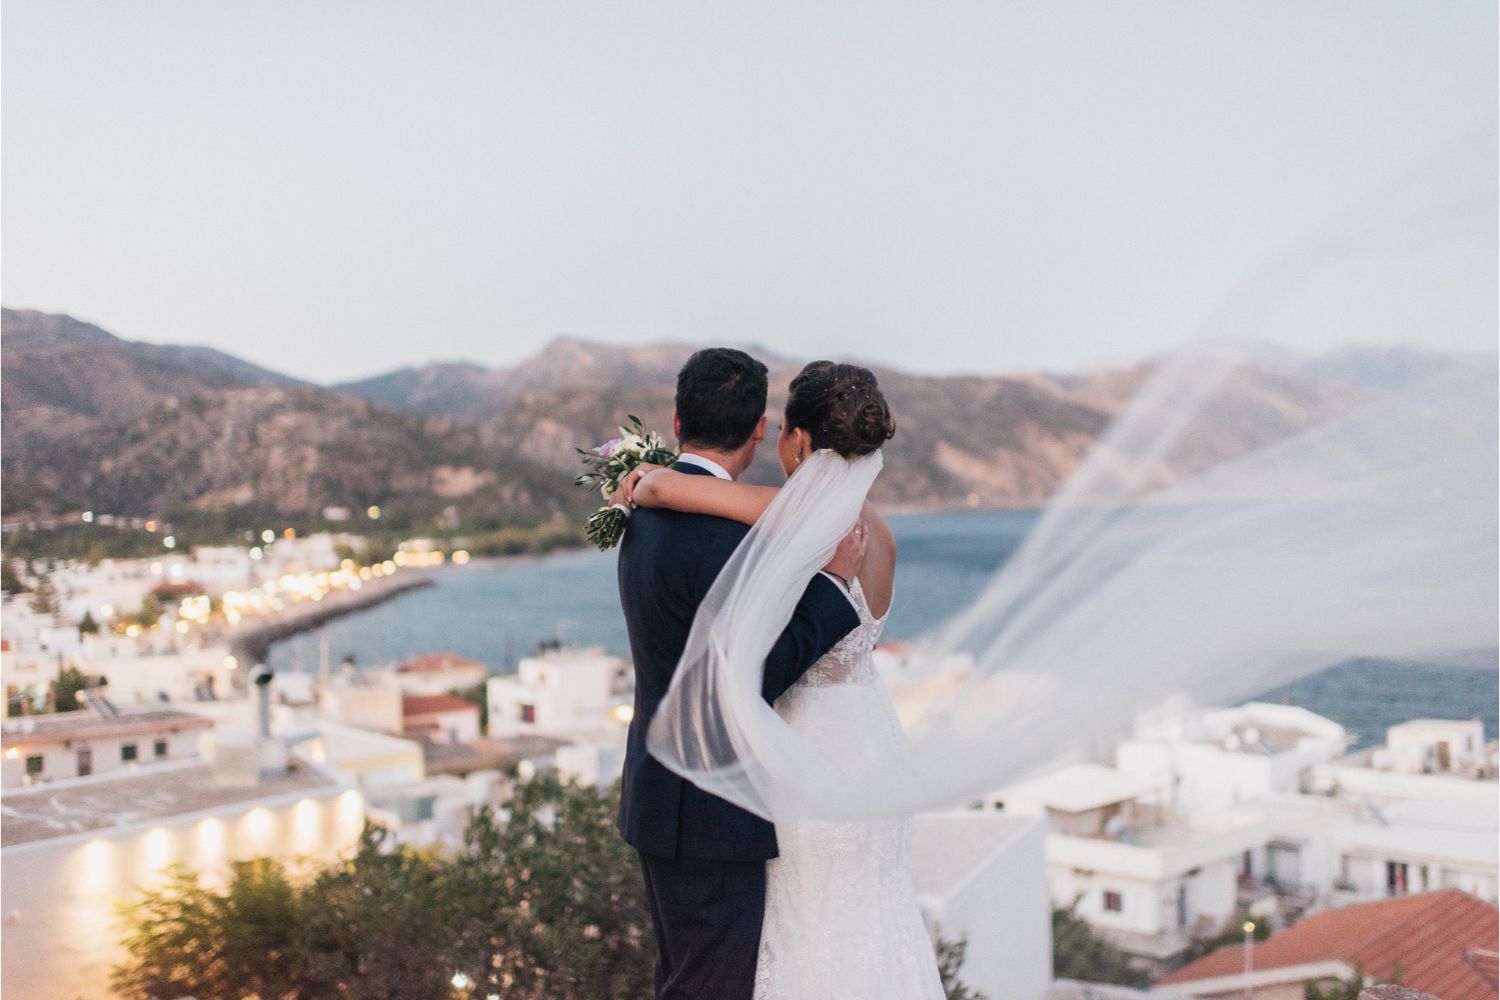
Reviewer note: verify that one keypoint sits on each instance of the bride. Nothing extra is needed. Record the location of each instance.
(841, 916)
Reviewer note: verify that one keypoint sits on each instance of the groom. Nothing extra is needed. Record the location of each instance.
(703, 858)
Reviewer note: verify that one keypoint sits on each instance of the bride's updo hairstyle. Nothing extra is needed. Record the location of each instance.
(841, 407)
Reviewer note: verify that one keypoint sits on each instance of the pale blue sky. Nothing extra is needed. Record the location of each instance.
(337, 188)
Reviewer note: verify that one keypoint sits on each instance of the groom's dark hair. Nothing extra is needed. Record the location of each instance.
(721, 396)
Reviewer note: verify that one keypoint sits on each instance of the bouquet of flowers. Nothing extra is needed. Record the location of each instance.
(608, 466)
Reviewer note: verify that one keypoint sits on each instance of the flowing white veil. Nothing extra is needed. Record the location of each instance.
(1195, 552)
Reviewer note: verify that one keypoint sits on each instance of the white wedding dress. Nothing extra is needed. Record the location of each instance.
(841, 917)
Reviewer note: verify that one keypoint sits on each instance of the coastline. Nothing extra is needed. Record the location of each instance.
(251, 644)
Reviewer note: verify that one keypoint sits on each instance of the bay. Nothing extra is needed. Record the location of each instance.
(500, 610)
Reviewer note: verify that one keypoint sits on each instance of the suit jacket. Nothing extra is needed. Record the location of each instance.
(667, 562)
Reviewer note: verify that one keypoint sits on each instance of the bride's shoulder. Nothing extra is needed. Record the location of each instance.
(870, 516)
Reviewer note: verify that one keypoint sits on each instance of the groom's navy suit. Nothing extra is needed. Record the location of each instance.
(703, 858)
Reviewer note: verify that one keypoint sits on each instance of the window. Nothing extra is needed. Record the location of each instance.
(128, 752)
(34, 764)
(160, 748)
(1396, 875)
(528, 713)
(1113, 901)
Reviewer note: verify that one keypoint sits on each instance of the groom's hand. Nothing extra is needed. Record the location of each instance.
(849, 557)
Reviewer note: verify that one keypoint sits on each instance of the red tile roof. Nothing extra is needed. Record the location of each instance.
(429, 704)
(1439, 940)
(437, 661)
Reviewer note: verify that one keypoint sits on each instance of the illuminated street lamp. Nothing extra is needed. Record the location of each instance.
(1249, 929)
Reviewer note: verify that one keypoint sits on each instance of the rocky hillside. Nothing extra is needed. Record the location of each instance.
(91, 420)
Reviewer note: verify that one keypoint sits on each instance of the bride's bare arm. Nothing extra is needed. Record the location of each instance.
(703, 495)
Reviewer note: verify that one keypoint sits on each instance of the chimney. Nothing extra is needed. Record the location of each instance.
(262, 677)
(249, 758)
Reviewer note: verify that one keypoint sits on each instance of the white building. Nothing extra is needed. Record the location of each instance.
(1217, 758)
(360, 757)
(441, 718)
(1415, 815)
(566, 692)
(1453, 747)
(64, 745)
(369, 699)
(981, 877)
(1425, 759)
(595, 764)
(1149, 878)
(435, 811)
(1343, 850)
(70, 850)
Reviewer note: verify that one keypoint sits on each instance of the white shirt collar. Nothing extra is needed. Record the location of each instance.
(704, 463)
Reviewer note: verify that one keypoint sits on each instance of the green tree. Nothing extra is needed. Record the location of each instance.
(378, 926)
(571, 921)
(950, 958)
(1233, 932)
(150, 612)
(70, 681)
(187, 940)
(44, 597)
(10, 580)
(87, 625)
(1079, 953)
(1346, 989)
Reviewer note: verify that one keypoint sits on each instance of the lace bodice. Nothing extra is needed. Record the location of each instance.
(849, 661)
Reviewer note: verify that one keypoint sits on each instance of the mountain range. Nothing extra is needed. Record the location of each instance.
(92, 421)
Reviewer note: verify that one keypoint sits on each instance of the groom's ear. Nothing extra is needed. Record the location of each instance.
(677, 427)
(760, 431)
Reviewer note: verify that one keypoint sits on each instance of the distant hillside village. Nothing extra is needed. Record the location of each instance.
(1222, 851)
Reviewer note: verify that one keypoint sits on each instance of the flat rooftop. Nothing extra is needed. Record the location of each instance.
(41, 812)
(486, 754)
(29, 730)
(1266, 739)
(1080, 788)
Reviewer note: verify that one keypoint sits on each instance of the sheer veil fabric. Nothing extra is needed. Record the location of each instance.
(1370, 533)
(1195, 553)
